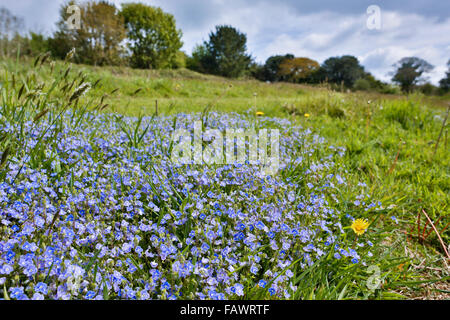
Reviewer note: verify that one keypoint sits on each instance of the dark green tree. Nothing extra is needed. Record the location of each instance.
(64, 38)
(345, 69)
(201, 60)
(318, 76)
(256, 71)
(444, 83)
(409, 72)
(38, 44)
(225, 53)
(369, 83)
(154, 39)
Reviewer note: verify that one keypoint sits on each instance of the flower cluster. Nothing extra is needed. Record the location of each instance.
(109, 216)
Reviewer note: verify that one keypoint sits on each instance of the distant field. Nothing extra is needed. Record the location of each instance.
(389, 141)
(188, 91)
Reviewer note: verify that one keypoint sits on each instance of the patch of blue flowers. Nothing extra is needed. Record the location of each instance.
(111, 217)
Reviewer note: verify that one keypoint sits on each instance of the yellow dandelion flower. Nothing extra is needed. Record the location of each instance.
(359, 226)
(307, 115)
(259, 113)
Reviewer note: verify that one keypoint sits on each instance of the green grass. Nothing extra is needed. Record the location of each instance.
(390, 143)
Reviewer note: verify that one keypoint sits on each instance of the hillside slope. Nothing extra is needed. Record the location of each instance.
(390, 141)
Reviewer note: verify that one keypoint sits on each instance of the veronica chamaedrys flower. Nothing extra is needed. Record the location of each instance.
(17, 293)
(37, 296)
(239, 289)
(116, 196)
(262, 283)
(90, 295)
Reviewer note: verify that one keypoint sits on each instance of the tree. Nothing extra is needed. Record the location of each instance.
(409, 72)
(10, 26)
(63, 39)
(428, 89)
(297, 69)
(256, 71)
(444, 83)
(318, 76)
(105, 30)
(38, 44)
(345, 69)
(179, 61)
(154, 39)
(201, 60)
(272, 67)
(369, 82)
(97, 41)
(225, 53)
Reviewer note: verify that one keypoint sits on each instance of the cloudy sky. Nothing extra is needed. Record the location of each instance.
(311, 28)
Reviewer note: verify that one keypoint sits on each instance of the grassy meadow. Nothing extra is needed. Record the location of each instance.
(390, 153)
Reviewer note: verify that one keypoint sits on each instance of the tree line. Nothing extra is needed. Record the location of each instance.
(143, 36)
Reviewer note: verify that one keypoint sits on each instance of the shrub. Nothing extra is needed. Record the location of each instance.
(362, 84)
